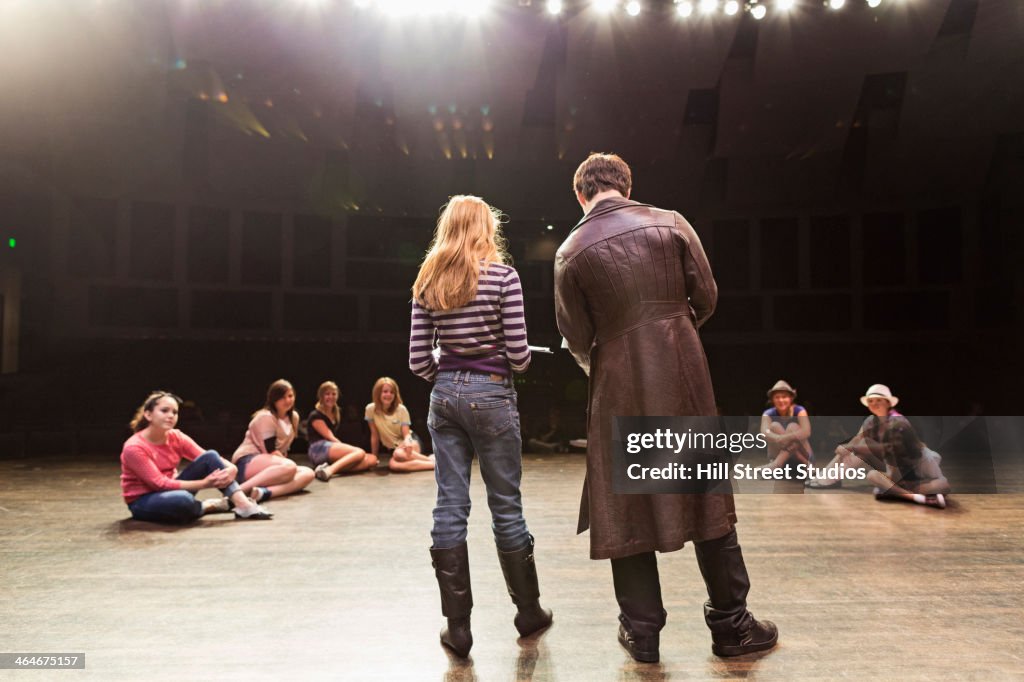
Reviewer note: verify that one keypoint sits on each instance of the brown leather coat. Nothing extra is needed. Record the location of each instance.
(632, 284)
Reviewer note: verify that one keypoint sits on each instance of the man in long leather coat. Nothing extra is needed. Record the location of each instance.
(632, 285)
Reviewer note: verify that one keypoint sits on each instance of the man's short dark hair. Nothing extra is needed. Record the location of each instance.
(601, 172)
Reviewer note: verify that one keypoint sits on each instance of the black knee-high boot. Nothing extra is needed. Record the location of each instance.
(734, 630)
(451, 566)
(520, 573)
(641, 615)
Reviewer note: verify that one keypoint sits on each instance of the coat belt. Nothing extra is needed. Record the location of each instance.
(641, 314)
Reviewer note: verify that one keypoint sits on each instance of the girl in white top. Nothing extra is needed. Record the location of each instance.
(391, 429)
(264, 469)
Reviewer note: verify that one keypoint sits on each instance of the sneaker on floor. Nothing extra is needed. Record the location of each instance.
(217, 506)
(253, 513)
(938, 501)
(321, 473)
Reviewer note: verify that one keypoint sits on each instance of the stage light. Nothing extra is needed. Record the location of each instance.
(758, 11)
(708, 6)
(554, 6)
(397, 8)
(550, 227)
(473, 8)
(604, 6)
(684, 9)
(732, 7)
(12, 243)
(874, 3)
(785, 5)
(836, 4)
(633, 8)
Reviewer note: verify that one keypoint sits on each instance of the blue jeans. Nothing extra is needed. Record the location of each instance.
(476, 413)
(180, 506)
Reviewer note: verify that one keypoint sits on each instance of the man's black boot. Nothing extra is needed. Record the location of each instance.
(734, 630)
(641, 617)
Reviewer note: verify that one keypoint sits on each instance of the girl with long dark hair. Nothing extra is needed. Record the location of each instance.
(264, 469)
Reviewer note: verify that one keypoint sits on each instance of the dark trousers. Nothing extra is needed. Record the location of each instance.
(638, 591)
(638, 588)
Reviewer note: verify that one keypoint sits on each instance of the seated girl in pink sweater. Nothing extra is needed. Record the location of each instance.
(150, 484)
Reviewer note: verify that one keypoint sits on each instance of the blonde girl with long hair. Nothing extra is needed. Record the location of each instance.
(391, 429)
(328, 454)
(468, 336)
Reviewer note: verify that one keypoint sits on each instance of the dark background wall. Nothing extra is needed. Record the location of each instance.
(207, 197)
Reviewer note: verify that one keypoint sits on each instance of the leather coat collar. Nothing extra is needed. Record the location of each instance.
(604, 207)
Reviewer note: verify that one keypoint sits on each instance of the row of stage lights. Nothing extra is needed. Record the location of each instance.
(683, 8)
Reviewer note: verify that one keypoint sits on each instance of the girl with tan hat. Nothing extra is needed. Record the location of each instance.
(899, 464)
(786, 426)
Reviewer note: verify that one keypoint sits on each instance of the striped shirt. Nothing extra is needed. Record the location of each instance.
(487, 335)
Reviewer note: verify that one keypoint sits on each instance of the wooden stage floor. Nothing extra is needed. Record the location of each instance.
(339, 586)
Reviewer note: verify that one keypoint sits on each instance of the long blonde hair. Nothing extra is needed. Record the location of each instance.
(335, 414)
(468, 232)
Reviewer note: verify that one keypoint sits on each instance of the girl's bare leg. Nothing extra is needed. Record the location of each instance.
(267, 471)
(345, 457)
(303, 477)
(406, 459)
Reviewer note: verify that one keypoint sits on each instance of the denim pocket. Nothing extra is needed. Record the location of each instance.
(435, 415)
(492, 415)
